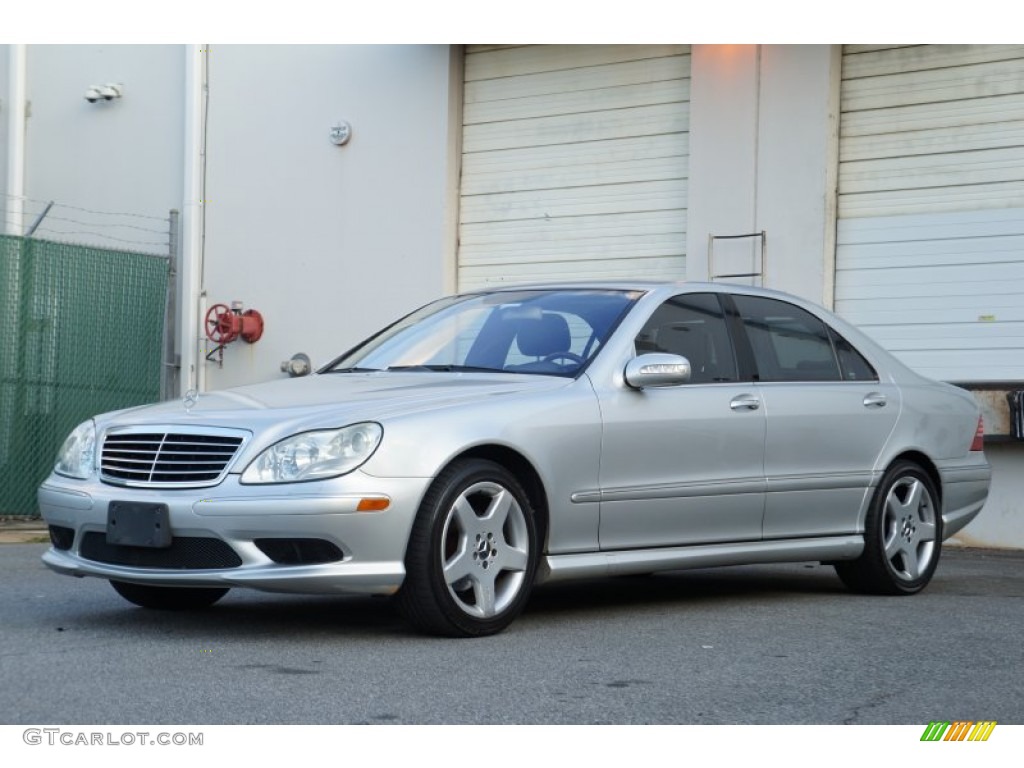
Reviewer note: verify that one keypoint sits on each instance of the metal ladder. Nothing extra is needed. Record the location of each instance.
(760, 267)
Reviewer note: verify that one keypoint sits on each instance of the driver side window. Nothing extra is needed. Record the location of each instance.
(692, 325)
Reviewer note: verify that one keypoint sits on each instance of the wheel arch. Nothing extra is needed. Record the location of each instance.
(524, 472)
(926, 464)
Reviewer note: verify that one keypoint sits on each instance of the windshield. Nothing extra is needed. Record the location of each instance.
(552, 332)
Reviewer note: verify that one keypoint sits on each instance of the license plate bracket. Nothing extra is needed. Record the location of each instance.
(138, 524)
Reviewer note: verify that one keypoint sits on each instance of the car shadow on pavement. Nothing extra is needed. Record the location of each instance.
(246, 614)
(727, 585)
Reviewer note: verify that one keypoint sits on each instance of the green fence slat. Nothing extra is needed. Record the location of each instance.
(81, 333)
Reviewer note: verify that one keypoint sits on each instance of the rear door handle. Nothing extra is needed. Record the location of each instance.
(874, 400)
(745, 403)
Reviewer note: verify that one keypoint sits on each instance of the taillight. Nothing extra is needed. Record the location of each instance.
(978, 443)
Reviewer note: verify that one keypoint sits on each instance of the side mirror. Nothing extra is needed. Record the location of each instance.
(657, 370)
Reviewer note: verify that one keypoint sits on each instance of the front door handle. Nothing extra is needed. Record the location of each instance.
(874, 400)
(745, 403)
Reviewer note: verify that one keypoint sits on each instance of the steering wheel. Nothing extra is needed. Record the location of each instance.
(567, 355)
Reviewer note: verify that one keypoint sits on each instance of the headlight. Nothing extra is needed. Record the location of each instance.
(77, 457)
(315, 455)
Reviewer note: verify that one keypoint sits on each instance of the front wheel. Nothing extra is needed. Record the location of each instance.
(168, 598)
(472, 553)
(902, 535)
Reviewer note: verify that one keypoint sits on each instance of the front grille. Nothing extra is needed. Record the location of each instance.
(61, 537)
(185, 553)
(167, 458)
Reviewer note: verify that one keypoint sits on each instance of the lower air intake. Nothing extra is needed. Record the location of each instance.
(299, 551)
(61, 537)
(185, 553)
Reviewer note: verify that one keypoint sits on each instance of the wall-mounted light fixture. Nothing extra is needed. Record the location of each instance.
(108, 92)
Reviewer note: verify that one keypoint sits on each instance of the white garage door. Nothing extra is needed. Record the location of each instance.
(574, 163)
(930, 255)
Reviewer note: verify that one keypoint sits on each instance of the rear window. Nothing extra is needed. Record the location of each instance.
(789, 343)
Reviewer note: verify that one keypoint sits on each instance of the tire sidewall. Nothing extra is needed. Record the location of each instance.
(876, 525)
(440, 503)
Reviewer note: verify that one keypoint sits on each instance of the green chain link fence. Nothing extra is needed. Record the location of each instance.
(81, 332)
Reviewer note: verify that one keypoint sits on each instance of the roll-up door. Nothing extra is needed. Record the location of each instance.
(574, 163)
(930, 247)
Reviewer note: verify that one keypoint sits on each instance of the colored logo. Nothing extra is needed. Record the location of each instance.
(959, 730)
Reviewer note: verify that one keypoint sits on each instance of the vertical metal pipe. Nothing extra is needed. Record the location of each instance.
(171, 358)
(193, 366)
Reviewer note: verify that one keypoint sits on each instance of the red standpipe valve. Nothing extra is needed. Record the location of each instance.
(224, 324)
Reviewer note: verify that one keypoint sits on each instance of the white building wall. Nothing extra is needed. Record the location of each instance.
(5, 111)
(723, 148)
(797, 150)
(327, 242)
(121, 156)
(762, 138)
(1001, 522)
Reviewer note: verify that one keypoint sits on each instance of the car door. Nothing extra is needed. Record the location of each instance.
(683, 464)
(828, 417)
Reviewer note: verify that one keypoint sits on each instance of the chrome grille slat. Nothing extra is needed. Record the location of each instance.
(199, 455)
(162, 471)
(175, 457)
(213, 445)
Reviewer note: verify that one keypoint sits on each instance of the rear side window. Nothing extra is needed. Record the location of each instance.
(789, 344)
(851, 362)
(692, 325)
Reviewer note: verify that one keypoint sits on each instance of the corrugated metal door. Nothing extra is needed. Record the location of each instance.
(574, 162)
(930, 249)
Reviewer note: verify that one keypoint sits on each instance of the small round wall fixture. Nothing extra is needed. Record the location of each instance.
(341, 133)
(298, 365)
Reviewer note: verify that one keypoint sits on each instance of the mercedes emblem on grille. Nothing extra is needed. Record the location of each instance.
(190, 400)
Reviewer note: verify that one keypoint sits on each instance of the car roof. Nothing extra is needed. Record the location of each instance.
(659, 286)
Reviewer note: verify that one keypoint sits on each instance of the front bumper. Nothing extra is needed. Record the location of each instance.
(372, 544)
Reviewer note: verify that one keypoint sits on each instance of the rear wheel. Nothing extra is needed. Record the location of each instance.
(168, 598)
(902, 535)
(472, 552)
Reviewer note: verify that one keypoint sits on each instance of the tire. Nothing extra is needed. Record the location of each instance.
(169, 598)
(902, 535)
(472, 553)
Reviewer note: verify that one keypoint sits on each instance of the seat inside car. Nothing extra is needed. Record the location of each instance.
(539, 338)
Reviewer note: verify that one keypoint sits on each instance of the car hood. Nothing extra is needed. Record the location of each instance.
(327, 400)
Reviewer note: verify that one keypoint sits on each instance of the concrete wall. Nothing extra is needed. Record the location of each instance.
(763, 138)
(328, 242)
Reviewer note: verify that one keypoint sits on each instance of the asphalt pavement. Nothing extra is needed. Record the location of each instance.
(746, 645)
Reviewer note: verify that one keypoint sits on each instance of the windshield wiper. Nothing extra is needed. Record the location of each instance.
(353, 370)
(444, 368)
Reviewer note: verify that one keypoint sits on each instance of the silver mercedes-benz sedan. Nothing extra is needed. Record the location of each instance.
(495, 440)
